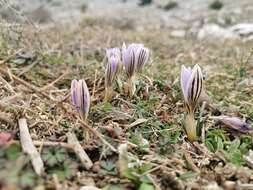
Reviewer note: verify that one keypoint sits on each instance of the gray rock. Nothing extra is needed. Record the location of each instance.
(214, 31)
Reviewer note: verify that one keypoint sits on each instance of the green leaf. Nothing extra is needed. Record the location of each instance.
(128, 174)
(27, 179)
(220, 145)
(209, 145)
(145, 186)
(188, 175)
(53, 156)
(234, 145)
(145, 167)
(13, 151)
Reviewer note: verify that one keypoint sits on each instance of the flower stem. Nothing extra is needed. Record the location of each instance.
(131, 86)
(190, 127)
(108, 94)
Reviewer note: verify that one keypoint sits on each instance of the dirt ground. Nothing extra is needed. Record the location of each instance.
(39, 61)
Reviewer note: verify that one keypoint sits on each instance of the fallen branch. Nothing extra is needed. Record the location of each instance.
(29, 148)
(84, 158)
(137, 122)
(48, 143)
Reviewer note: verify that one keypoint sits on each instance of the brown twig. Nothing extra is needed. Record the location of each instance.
(55, 81)
(190, 162)
(28, 85)
(96, 133)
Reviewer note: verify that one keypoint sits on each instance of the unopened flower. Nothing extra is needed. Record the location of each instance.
(134, 57)
(191, 84)
(80, 97)
(142, 56)
(234, 123)
(129, 59)
(112, 69)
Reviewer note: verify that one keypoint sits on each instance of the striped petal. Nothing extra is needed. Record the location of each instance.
(142, 57)
(112, 70)
(191, 84)
(80, 97)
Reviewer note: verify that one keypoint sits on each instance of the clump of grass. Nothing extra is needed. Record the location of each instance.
(145, 2)
(170, 5)
(216, 5)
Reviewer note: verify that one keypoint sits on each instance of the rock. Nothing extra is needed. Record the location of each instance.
(244, 30)
(229, 185)
(214, 31)
(89, 188)
(40, 15)
(212, 186)
(178, 33)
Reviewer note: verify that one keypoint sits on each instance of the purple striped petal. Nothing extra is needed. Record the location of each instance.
(112, 70)
(80, 97)
(134, 57)
(191, 84)
(142, 57)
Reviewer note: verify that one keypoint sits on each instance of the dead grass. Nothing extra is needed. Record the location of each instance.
(58, 54)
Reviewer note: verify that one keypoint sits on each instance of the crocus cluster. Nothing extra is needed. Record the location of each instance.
(192, 85)
(133, 57)
(80, 97)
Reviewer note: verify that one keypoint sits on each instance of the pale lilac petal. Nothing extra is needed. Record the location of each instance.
(80, 97)
(112, 70)
(185, 77)
(234, 123)
(73, 91)
(129, 61)
(194, 86)
(142, 57)
(113, 52)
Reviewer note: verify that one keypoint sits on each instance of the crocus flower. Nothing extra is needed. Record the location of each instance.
(142, 56)
(134, 57)
(80, 97)
(191, 84)
(234, 123)
(113, 57)
(128, 59)
(112, 69)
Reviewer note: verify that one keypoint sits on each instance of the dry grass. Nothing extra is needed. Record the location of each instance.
(36, 72)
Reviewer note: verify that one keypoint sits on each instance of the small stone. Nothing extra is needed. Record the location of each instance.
(178, 33)
(89, 188)
(229, 185)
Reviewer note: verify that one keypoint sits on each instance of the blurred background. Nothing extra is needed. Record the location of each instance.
(200, 17)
